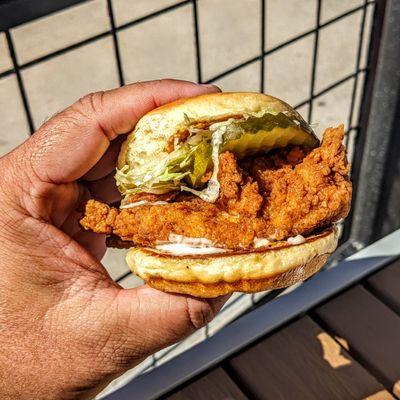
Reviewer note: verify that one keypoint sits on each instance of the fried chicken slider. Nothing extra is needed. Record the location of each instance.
(226, 192)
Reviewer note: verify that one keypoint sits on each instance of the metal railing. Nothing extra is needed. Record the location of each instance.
(372, 134)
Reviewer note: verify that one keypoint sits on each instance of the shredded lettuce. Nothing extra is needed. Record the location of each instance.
(186, 164)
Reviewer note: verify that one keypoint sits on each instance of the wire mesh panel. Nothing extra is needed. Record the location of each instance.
(312, 54)
(218, 51)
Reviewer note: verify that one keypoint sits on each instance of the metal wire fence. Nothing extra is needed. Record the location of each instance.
(12, 13)
(261, 58)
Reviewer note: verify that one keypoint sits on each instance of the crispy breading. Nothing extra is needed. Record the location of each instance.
(313, 194)
(285, 193)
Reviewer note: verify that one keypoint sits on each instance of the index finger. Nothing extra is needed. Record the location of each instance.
(71, 143)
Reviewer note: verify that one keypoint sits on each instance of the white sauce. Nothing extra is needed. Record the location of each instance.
(296, 240)
(260, 242)
(182, 245)
(182, 249)
(195, 242)
(142, 203)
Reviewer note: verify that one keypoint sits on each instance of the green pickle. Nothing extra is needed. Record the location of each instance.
(201, 163)
(261, 134)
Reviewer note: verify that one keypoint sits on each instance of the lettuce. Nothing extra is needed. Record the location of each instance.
(188, 162)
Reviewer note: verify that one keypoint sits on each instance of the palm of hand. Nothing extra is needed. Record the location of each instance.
(59, 307)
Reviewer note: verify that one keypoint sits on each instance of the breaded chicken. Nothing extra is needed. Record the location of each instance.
(287, 192)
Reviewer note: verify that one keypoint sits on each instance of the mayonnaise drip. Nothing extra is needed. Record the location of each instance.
(191, 241)
(182, 245)
(182, 249)
(260, 242)
(296, 240)
(142, 203)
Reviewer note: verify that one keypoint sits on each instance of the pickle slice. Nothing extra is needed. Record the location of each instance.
(201, 162)
(264, 141)
(261, 134)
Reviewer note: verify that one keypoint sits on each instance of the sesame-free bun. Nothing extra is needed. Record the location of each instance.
(276, 266)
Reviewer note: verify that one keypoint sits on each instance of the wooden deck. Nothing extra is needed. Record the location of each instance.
(347, 348)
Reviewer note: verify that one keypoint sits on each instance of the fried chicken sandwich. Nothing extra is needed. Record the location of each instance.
(226, 192)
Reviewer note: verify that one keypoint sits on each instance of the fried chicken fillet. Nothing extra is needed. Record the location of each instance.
(287, 192)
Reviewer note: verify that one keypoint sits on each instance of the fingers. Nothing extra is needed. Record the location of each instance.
(94, 243)
(107, 162)
(104, 189)
(70, 144)
(159, 319)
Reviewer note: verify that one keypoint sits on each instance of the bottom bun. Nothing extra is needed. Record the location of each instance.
(277, 266)
(282, 280)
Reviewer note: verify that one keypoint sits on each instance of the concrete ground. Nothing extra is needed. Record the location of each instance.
(164, 47)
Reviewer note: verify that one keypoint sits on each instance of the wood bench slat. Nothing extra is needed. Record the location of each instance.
(386, 285)
(301, 361)
(217, 385)
(371, 330)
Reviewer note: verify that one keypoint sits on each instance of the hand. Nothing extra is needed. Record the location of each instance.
(66, 329)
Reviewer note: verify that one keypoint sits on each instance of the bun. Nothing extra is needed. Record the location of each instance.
(150, 137)
(277, 266)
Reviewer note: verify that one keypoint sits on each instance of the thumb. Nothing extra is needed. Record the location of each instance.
(156, 319)
(71, 143)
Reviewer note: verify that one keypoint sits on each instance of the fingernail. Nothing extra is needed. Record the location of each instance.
(210, 86)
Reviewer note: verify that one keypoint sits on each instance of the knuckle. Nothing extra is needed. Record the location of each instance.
(91, 103)
(14, 176)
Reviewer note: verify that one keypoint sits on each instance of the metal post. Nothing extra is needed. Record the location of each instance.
(377, 122)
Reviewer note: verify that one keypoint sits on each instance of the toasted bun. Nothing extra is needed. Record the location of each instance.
(275, 267)
(148, 141)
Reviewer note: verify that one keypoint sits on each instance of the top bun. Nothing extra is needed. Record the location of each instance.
(150, 136)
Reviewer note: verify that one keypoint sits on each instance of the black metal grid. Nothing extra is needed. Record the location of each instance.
(261, 58)
(113, 32)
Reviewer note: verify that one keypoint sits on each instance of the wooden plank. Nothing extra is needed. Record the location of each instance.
(299, 362)
(217, 385)
(386, 285)
(370, 329)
